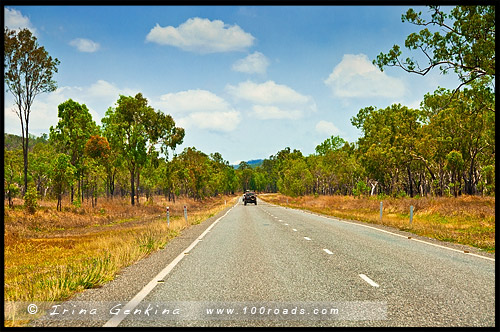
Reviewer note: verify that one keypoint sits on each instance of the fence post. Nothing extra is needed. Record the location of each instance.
(168, 217)
(186, 214)
(411, 214)
(381, 208)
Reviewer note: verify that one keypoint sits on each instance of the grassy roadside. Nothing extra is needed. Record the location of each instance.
(466, 220)
(49, 256)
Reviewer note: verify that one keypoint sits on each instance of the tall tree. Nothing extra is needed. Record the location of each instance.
(388, 143)
(97, 150)
(12, 173)
(28, 71)
(61, 175)
(41, 158)
(466, 125)
(134, 129)
(74, 129)
(464, 42)
(330, 144)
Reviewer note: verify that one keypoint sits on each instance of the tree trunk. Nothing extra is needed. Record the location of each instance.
(25, 155)
(137, 185)
(82, 183)
(132, 191)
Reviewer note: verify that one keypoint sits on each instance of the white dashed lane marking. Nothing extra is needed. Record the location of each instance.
(368, 280)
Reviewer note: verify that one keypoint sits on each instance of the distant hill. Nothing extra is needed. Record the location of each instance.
(14, 142)
(253, 163)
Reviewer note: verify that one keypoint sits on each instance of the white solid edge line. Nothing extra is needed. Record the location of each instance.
(115, 321)
(368, 280)
(403, 236)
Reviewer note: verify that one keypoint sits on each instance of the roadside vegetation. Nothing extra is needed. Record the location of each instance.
(51, 255)
(468, 220)
(85, 200)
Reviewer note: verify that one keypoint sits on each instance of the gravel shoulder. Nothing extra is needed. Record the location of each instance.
(130, 280)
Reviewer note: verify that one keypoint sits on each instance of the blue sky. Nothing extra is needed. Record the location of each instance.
(243, 81)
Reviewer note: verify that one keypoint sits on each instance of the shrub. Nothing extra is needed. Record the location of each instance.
(30, 199)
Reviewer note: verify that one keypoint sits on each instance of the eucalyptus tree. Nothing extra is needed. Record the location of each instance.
(462, 40)
(62, 174)
(134, 129)
(13, 173)
(98, 151)
(74, 129)
(466, 126)
(28, 72)
(388, 143)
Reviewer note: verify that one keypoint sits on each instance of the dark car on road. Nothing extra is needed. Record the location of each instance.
(250, 197)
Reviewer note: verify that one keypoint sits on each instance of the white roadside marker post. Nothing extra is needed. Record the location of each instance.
(168, 217)
(411, 214)
(186, 214)
(381, 208)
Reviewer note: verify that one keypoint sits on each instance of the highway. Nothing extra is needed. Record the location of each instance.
(265, 265)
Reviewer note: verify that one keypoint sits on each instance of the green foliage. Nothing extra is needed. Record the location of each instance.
(74, 129)
(62, 175)
(330, 144)
(31, 199)
(13, 173)
(360, 189)
(445, 147)
(15, 142)
(296, 179)
(41, 159)
(28, 71)
(462, 40)
(133, 129)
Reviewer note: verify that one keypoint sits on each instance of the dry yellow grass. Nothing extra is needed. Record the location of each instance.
(51, 255)
(466, 220)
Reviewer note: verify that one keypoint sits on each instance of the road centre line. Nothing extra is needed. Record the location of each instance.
(328, 251)
(308, 239)
(115, 321)
(368, 280)
(403, 236)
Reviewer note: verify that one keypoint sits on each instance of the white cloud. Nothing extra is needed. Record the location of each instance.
(204, 110)
(15, 20)
(85, 45)
(327, 128)
(217, 121)
(356, 77)
(266, 93)
(98, 97)
(269, 100)
(253, 63)
(193, 101)
(274, 112)
(104, 89)
(202, 36)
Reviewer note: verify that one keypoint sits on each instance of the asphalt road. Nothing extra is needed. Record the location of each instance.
(264, 265)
